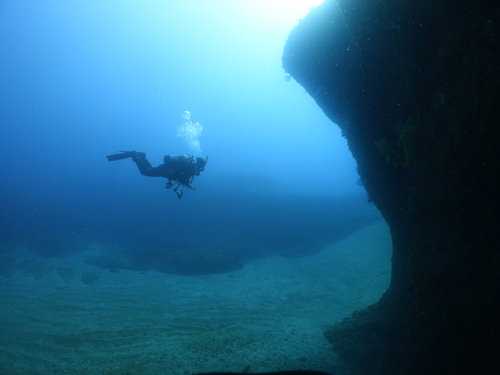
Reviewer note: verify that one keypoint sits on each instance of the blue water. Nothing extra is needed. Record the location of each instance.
(81, 80)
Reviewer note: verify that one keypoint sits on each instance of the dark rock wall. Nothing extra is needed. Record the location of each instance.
(415, 88)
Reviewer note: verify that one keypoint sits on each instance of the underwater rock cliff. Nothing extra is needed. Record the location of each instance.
(415, 88)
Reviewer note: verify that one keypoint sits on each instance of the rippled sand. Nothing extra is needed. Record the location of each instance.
(66, 317)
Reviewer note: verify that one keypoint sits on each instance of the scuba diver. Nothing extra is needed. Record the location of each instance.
(180, 169)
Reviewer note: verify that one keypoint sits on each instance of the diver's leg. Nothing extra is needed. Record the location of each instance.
(145, 166)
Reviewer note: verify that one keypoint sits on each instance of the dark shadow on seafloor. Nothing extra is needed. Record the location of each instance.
(214, 232)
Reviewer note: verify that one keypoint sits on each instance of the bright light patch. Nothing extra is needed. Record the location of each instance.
(302, 7)
(278, 12)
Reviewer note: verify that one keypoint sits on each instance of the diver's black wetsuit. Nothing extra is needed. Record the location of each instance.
(176, 168)
(179, 168)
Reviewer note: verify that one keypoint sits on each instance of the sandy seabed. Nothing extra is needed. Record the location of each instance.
(74, 318)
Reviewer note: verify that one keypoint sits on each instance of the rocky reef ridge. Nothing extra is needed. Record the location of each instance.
(415, 88)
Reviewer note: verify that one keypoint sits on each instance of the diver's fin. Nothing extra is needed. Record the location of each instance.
(123, 155)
